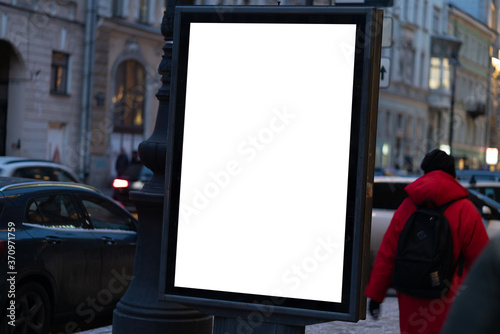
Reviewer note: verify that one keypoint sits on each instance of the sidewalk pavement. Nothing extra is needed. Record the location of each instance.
(101, 330)
(387, 324)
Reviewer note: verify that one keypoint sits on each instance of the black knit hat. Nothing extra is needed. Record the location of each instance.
(438, 160)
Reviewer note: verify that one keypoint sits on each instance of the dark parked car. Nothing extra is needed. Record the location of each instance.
(132, 179)
(66, 253)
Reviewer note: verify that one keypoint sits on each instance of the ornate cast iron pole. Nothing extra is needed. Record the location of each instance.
(140, 310)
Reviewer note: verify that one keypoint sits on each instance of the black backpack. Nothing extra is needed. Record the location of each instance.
(424, 264)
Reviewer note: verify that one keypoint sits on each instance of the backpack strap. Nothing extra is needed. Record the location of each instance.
(446, 205)
(430, 202)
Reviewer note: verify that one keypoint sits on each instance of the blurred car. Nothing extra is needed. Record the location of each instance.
(466, 175)
(490, 189)
(387, 171)
(36, 169)
(389, 193)
(489, 209)
(67, 253)
(132, 179)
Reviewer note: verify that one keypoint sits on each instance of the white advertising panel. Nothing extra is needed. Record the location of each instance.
(265, 159)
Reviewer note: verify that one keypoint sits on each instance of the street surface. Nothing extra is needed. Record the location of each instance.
(387, 324)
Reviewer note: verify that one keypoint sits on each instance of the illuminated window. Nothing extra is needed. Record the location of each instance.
(435, 73)
(439, 77)
(493, 14)
(128, 99)
(59, 74)
(446, 74)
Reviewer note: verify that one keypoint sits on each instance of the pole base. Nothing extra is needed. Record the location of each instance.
(174, 320)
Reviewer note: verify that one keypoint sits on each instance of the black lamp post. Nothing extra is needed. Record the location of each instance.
(454, 64)
(447, 47)
(140, 310)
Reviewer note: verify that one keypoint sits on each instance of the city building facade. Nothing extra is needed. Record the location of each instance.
(439, 94)
(78, 80)
(403, 122)
(41, 47)
(473, 83)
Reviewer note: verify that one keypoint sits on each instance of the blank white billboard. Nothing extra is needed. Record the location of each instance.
(265, 159)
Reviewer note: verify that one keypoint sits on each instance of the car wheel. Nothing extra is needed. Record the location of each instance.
(33, 311)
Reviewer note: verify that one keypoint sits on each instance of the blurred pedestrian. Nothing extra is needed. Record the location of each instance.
(135, 158)
(477, 307)
(425, 315)
(121, 163)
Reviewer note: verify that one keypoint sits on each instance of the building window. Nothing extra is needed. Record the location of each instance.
(406, 10)
(118, 8)
(435, 73)
(26, 3)
(143, 11)
(435, 20)
(415, 11)
(410, 66)
(59, 74)
(445, 80)
(421, 70)
(388, 124)
(129, 97)
(493, 14)
(466, 46)
(473, 50)
(439, 77)
(424, 16)
(407, 63)
(480, 53)
(460, 86)
(401, 69)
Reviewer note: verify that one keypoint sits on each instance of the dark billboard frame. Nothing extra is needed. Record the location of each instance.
(361, 148)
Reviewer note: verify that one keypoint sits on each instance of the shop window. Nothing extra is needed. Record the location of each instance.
(59, 73)
(129, 97)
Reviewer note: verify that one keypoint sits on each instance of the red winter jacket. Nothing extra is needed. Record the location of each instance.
(417, 315)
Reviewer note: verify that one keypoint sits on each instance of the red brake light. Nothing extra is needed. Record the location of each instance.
(120, 183)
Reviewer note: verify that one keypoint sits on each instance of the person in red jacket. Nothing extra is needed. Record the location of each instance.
(420, 315)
